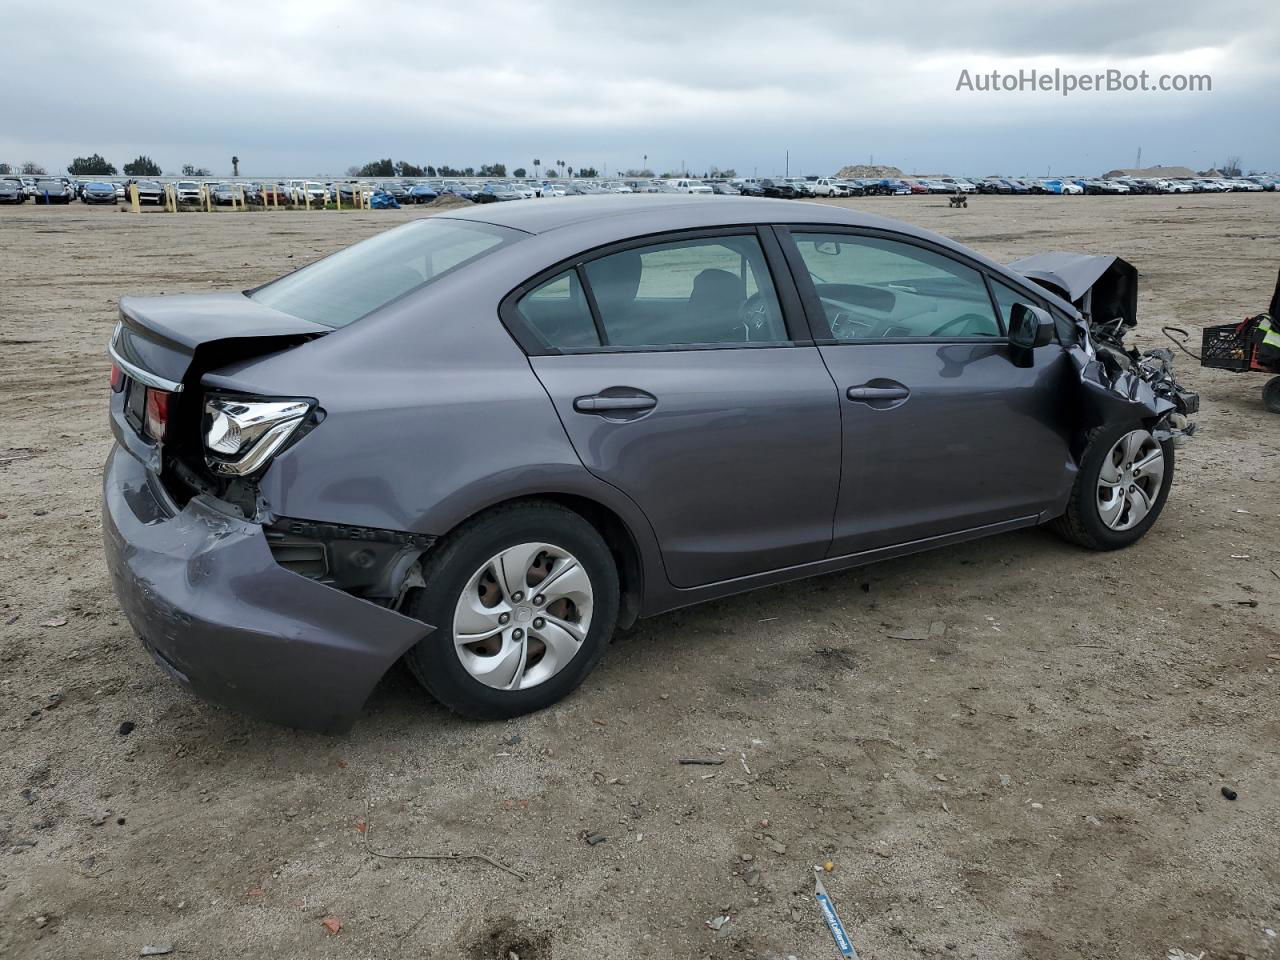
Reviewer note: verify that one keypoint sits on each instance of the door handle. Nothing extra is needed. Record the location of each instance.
(604, 403)
(865, 394)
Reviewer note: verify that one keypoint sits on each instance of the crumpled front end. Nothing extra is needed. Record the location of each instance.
(1118, 381)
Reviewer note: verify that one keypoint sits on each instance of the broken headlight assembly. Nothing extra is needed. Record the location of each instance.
(242, 434)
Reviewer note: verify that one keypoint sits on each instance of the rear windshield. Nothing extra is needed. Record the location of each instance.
(354, 282)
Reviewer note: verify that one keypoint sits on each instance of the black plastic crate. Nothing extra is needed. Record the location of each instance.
(1226, 346)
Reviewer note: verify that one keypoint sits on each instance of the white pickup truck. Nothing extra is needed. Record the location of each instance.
(828, 187)
(683, 185)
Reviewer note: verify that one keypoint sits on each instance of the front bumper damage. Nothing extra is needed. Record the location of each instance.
(221, 615)
(1119, 382)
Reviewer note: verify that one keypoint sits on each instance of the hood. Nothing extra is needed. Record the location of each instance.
(1103, 288)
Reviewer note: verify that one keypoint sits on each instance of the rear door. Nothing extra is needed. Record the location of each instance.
(676, 369)
(943, 432)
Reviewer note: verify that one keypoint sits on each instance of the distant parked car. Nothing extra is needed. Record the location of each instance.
(781, 189)
(959, 185)
(98, 192)
(49, 190)
(223, 194)
(188, 191)
(750, 188)
(421, 193)
(495, 192)
(686, 185)
(12, 191)
(829, 187)
(553, 189)
(149, 191)
(725, 189)
(994, 185)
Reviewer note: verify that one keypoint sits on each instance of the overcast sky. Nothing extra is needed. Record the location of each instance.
(312, 88)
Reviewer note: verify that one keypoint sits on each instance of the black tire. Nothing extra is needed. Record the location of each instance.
(1081, 523)
(1271, 395)
(435, 662)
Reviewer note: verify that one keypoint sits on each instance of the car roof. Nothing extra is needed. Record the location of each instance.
(583, 222)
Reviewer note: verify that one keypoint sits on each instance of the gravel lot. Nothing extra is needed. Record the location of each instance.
(1011, 748)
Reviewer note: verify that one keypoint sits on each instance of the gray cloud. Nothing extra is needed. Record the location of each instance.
(314, 87)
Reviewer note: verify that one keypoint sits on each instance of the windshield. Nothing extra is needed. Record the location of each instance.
(354, 282)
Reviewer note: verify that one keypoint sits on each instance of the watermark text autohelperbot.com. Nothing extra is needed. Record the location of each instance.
(1031, 80)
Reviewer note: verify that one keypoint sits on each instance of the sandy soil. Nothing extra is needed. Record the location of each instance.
(1036, 773)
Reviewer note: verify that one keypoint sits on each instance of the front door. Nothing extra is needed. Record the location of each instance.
(678, 382)
(943, 433)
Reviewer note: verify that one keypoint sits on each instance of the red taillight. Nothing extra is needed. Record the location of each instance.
(117, 379)
(157, 413)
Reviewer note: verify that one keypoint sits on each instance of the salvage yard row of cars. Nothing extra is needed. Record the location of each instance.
(51, 190)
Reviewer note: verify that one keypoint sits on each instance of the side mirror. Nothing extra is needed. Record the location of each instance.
(1029, 327)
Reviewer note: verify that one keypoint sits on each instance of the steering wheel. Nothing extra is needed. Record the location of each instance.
(754, 317)
(958, 321)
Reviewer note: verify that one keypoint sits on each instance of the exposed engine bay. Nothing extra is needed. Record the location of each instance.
(1118, 379)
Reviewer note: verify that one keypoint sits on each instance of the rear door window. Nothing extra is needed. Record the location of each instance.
(697, 291)
(558, 312)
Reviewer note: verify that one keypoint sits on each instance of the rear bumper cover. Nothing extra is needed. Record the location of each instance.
(203, 592)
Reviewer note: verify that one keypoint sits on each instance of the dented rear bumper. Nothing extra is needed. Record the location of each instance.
(204, 593)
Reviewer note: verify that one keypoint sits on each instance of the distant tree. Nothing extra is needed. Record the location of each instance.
(5, 168)
(447, 171)
(536, 164)
(144, 166)
(633, 172)
(520, 173)
(431, 171)
(378, 168)
(90, 166)
(235, 166)
(191, 171)
(570, 172)
(353, 171)
(588, 172)
(717, 173)
(469, 172)
(493, 170)
(33, 169)
(671, 175)
(406, 169)
(1232, 167)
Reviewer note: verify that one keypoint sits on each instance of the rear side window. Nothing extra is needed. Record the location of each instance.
(354, 282)
(559, 313)
(700, 291)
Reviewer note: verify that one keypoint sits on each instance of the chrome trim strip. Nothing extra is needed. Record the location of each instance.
(145, 377)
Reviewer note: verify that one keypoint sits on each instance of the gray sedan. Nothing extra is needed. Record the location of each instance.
(483, 441)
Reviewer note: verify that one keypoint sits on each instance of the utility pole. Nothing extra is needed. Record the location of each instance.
(1138, 164)
(787, 171)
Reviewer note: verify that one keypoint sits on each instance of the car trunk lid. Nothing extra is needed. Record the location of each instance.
(174, 340)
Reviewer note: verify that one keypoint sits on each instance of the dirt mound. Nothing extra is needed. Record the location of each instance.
(868, 170)
(448, 200)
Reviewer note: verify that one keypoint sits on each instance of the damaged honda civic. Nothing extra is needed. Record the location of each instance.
(483, 441)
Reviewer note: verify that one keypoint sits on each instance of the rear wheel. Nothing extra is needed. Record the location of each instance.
(1120, 488)
(524, 600)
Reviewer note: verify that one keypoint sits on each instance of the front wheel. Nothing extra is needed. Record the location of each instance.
(524, 600)
(1271, 395)
(1120, 488)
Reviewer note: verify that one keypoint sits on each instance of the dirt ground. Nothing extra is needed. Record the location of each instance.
(1008, 749)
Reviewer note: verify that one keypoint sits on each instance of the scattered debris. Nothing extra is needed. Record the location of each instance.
(702, 761)
(453, 855)
(828, 866)
(156, 950)
(1176, 953)
(843, 943)
(332, 924)
(595, 838)
(715, 923)
(127, 728)
(1229, 793)
(55, 700)
(55, 622)
(41, 921)
(777, 846)
(1247, 603)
